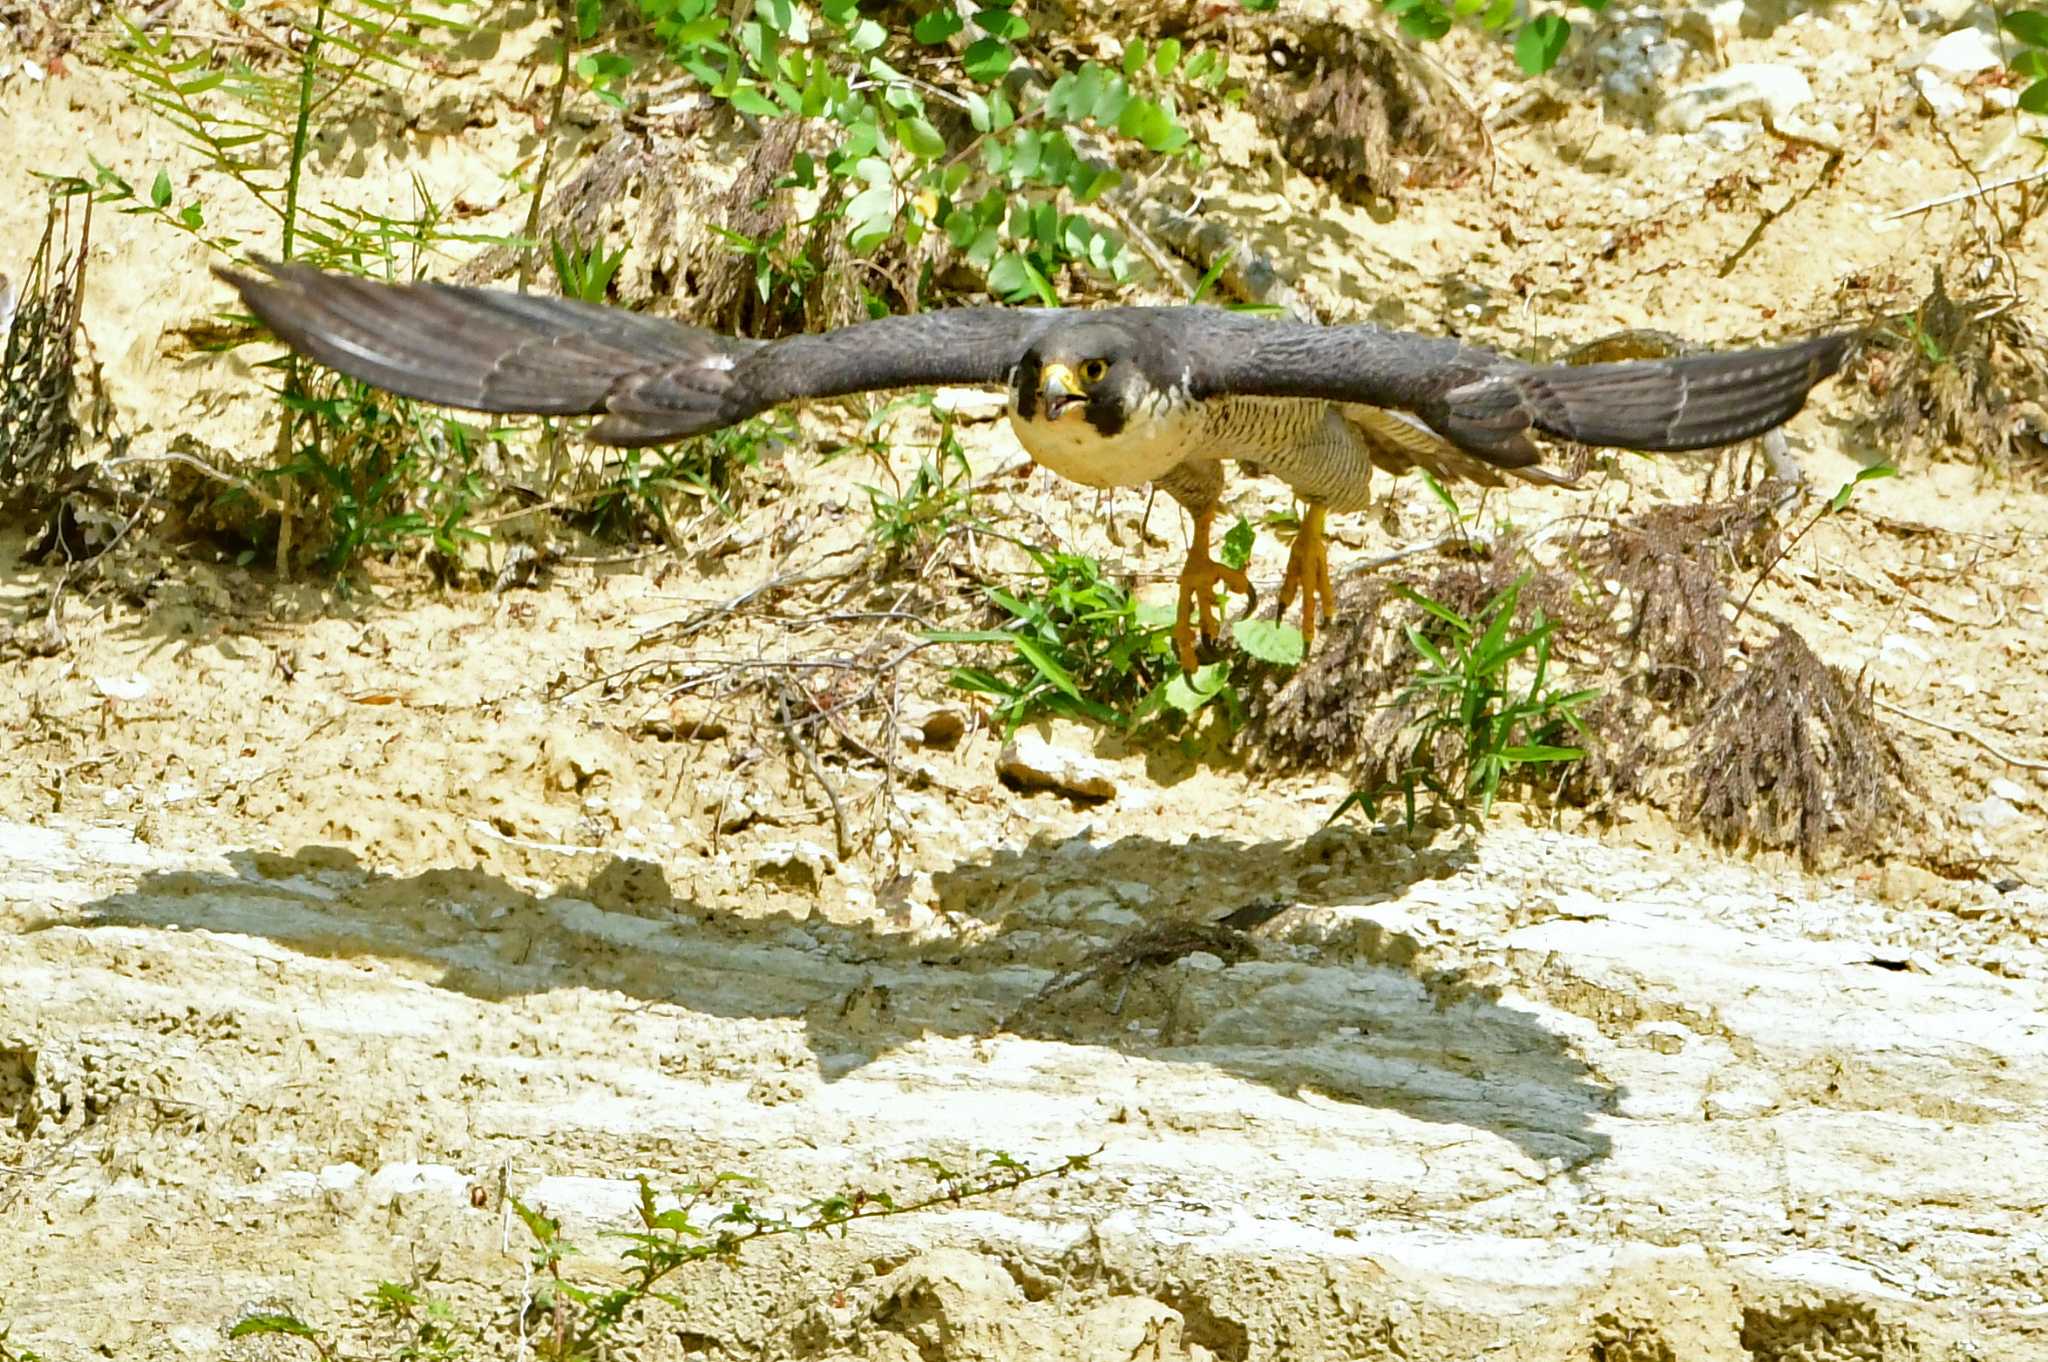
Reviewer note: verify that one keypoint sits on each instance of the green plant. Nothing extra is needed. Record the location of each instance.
(564, 1320)
(640, 485)
(373, 472)
(909, 519)
(585, 271)
(2029, 27)
(10, 1353)
(961, 147)
(1482, 708)
(1082, 646)
(1540, 39)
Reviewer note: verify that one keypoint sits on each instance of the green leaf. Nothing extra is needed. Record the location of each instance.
(1047, 666)
(2031, 62)
(1541, 752)
(1442, 612)
(1000, 23)
(160, 192)
(920, 139)
(1167, 58)
(937, 26)
(987, 59)
(271, 1323)
(2030, 26)
(1270, 641)
(867, 35)
(1541, 42)
(1134, 57)
(1188, 694)
(1144, 121)
(1237, 544)
(1426, 22)
(1848, 489)
(2034, 99)
(748, 100)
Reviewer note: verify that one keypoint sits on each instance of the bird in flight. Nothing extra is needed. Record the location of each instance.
(1107, 397)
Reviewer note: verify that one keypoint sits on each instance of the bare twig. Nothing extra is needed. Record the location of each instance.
(1956, 730)
(1975, 192)
(817, 770)
(256, 494)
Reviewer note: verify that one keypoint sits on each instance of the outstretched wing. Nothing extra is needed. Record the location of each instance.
(652, 380)
(1486, 404)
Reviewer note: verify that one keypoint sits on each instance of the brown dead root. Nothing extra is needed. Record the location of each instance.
(1792, 757)
(39, 333)
(1757, 744)
(1959, 378)
(699, 239)
(1362, 113)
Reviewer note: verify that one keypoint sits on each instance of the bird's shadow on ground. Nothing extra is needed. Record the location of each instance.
(1260, 960)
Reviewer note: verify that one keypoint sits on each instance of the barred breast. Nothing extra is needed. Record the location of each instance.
(1306, 444)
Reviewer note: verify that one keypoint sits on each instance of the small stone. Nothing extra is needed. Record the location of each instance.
(686, 718)
(2011, 791)
(1768, 88)
(1941, 93)
(1032, 763)
(1964, 52)
(970, 404)
(1202, 962)
(1990, 814)
(131, 687)
(941, 728)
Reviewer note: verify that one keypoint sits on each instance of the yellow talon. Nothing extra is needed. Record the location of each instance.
(1198, 579)
(1308, 571)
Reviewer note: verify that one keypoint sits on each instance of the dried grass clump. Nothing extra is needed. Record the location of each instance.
(1781, 754)
(39, 357)
(1669, 568)
(1792, 758)
(1361, 114)
(1967, 375)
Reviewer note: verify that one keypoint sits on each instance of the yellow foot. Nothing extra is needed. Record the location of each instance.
(1198, 579)
(1308, 571)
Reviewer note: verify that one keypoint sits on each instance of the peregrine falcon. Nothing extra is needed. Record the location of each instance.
(1108, 397)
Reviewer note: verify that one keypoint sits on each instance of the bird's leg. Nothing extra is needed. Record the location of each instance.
(1198, 579)
(1308, 571)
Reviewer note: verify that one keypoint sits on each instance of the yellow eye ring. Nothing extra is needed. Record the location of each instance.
(1094, 370)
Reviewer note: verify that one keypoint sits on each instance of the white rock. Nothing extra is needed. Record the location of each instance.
(1035, 764)
(2011, 791)
(1768, 88)
(1726, 17)
(1964, 52)
(970, 404)
(1942, 94)
(131, 687)
(435, 1180)
(1990, 814)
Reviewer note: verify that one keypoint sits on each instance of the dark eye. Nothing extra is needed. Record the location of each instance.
(1094, 370)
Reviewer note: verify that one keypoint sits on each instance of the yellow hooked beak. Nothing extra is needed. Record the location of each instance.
(1060, 389)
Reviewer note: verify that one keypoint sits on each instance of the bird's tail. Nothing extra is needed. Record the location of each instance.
(496, 351)
(1666, 405)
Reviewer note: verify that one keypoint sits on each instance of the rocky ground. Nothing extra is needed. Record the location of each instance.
(328, 919)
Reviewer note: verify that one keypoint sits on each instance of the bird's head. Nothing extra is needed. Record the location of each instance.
(1083, 371)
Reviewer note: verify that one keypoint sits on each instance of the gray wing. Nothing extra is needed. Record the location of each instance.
(1486, 404)
(652, 380)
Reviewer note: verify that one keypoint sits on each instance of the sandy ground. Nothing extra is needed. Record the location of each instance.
(328, 917)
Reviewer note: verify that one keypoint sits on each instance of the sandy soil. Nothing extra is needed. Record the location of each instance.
(328, 917)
